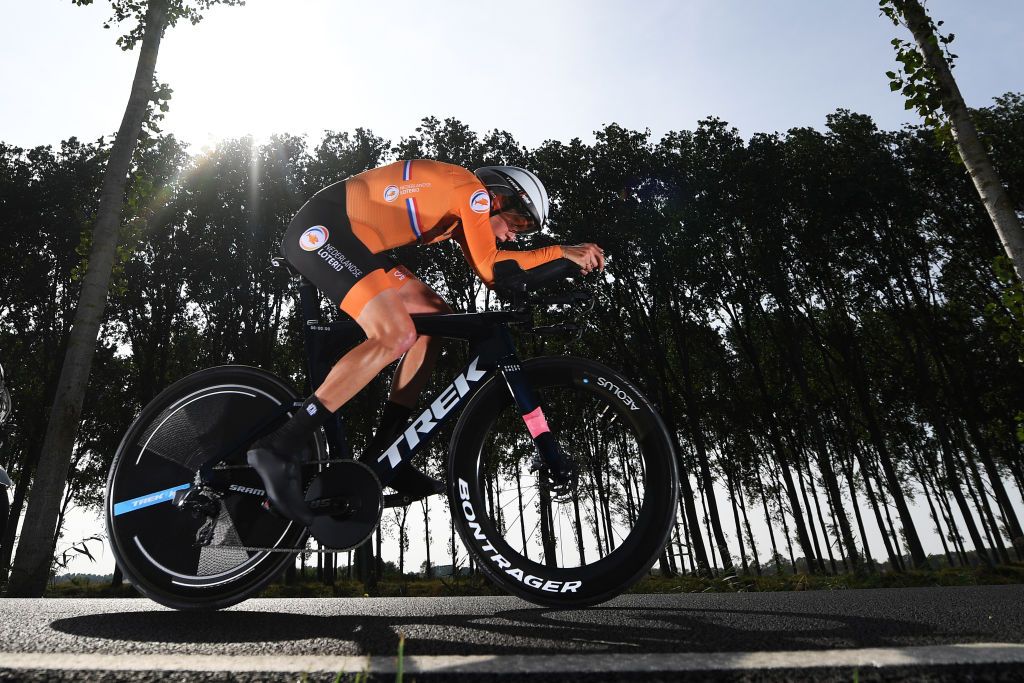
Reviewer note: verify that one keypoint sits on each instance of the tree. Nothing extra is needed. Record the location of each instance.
(927, 82)
(33, 561)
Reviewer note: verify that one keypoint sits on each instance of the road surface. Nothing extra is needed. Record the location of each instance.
(886, 634)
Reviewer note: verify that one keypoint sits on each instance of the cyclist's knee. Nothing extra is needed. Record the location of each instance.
(395, 340)
(388, 326)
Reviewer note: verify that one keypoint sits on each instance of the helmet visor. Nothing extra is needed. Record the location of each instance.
(513, 209)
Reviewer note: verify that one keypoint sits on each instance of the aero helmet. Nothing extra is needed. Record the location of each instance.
(518, 190)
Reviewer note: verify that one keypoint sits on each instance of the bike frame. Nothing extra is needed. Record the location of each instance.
(492, 352)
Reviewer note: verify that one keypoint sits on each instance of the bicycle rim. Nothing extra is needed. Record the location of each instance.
(201, 417)
(588, 544)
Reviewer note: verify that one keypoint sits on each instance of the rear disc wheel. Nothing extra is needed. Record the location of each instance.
(211, 414)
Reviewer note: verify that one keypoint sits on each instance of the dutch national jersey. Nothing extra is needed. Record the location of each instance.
(429, 201)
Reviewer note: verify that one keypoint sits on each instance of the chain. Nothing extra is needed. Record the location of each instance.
(293, 551)
(311, 462)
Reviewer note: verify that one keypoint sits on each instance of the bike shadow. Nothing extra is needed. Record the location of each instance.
(605, 629)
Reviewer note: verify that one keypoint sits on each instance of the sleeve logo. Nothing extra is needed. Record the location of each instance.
(480, 201)
(314, 238)
(390, 193)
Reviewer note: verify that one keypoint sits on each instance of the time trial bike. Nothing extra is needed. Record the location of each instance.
(561, 477)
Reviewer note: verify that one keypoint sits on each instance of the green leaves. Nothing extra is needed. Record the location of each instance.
(915, 80)
(137, 11)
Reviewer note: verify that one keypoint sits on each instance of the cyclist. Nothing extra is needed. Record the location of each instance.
(337, 240)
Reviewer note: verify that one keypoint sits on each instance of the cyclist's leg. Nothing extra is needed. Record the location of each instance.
(320, 244)
(389, 334)
(409, 379)
(418, 362)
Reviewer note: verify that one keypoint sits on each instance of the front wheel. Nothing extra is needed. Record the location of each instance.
(550, 545)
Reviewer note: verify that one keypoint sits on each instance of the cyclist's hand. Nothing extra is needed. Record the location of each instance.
(587, 256)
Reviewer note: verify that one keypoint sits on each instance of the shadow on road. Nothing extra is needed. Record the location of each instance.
(520, 631)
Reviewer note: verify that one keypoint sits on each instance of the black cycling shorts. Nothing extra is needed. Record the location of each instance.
(320, 244)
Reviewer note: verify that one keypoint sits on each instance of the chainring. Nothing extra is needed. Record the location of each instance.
(350, 502)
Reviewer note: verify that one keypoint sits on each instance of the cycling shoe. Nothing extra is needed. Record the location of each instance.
(282, 478)
(411, 482)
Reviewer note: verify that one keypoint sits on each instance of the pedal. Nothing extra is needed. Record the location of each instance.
(399, 500)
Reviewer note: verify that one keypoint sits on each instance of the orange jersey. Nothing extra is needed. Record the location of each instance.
(429, 201)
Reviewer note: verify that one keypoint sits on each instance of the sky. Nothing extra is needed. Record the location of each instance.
(538, 69)
(551, 69)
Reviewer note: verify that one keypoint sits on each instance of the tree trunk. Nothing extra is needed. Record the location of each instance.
(935, 517)
(981, 515)
(425, 505)
(860, 520)
(952, 483)
(785, 527)
(810, 521)
(954, 530)
(14, 515)
(821, 516)
(891, 526)
(736, 522)
(691, 521)
(835, 530)
(986, 180)
(707, 525)
(894, 561)
(986, 509)
(33, 561)
(981, 447)
(746, 523)
(771, 531)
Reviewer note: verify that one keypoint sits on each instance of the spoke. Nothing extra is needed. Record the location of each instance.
(529, 536)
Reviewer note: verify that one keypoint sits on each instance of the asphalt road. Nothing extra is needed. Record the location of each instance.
(889, 634)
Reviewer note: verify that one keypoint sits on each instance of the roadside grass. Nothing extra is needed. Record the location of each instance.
(478, 585)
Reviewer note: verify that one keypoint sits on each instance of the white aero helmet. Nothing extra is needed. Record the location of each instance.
(517, 190)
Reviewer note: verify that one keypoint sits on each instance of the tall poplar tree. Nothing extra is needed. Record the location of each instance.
(928, 84)
(148, 20)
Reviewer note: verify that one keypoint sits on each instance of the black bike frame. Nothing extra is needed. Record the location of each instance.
(491, 350)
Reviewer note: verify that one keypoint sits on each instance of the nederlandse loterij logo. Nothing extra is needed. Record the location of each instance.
(314, 238)
(480, 201)
(390, 193)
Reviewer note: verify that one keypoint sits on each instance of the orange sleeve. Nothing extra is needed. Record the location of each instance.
(476, 237)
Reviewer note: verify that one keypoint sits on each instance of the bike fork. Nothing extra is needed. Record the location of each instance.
(533, 415)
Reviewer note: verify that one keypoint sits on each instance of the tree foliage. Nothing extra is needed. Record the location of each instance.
(815, 313)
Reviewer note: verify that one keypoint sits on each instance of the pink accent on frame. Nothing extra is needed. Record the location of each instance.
(536, 423)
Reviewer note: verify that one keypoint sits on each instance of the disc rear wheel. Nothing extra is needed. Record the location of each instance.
(217, 547)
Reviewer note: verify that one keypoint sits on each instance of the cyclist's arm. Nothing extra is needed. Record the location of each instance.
(478, 246)
(475, 236)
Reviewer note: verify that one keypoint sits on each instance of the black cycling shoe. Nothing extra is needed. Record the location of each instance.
(411, 482)
(282, 478)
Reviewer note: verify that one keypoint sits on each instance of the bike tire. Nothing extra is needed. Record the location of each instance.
(627, 488)
(205, 414)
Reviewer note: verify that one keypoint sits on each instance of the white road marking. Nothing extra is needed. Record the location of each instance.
(927, 655)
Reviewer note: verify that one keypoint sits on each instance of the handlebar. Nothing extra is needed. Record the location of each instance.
(511, 279)
(513, 285)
